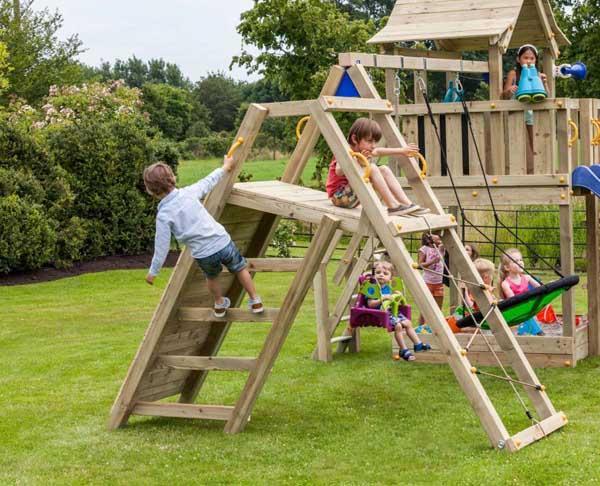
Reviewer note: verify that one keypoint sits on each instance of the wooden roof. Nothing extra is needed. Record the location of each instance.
(473, 24)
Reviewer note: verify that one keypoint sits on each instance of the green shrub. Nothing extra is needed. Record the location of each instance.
(27, 239)
(215, 144)
(283, 239)
(21, 183)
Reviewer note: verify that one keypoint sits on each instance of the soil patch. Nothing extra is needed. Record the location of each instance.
(120, 262)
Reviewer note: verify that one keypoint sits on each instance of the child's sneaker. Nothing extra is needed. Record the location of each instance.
(256, 305)
(419, 347)
(220, 310)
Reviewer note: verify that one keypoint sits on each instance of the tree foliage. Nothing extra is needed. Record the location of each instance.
(222, 96)
(298, 42)
(37, 58)
(136, 72)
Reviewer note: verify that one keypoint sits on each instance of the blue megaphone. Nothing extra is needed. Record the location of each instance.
(531, 88)
(577, 71)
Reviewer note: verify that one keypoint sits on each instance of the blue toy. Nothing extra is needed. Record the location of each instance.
(531, 88)
(454, 92)
(577, 71)
(587, 177)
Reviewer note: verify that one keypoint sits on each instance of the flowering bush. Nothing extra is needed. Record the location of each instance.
(74, 167)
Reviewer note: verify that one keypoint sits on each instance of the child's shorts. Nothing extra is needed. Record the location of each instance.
(229, 256)
(345, 198)
(437, 289)
(396, 320)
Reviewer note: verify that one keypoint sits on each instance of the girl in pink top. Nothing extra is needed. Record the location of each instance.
(513, 281)
(431, 260)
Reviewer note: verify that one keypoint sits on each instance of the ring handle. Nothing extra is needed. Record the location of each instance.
(238, 143)
(364, 162)
(299, 126)
(575, 136)
(424, 167)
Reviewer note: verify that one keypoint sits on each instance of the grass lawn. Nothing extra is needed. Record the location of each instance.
(66, 346)
(262, 170)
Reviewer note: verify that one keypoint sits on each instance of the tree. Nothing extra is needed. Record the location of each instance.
(37, 58)
(222, 96)
(298, 42)
(582, 27)
(135, 72)
(171, 109)
(366, 9)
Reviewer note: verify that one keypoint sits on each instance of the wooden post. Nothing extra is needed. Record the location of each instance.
(566, 220)
(548, 68)
(282, 324)
(592, 217)
(496, 127)
(322, 301)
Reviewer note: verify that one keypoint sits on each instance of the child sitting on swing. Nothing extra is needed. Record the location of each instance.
(383, 274)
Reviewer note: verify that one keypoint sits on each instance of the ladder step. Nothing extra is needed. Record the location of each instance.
(212, 363)
(183, 410)
(341, 339)
(205, 314)
(537, 431)
(403, 225)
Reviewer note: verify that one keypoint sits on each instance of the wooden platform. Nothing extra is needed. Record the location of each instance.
(310, 205)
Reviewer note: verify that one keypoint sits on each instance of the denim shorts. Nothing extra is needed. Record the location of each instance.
(229, 256)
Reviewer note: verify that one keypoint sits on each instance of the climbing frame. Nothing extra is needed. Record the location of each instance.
(182, 342)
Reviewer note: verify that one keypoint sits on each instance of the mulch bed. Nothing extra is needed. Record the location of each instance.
(99, 265)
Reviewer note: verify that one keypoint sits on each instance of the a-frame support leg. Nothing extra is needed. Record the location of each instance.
(282, 324)
(321, 291)
(346, 296)
(169, 302)
(268, 226)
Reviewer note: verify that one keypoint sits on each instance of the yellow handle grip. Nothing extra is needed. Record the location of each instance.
(299, 126)
(596, 137)
(238, 143)
(363, 161)
(575, 136)
(423, 163)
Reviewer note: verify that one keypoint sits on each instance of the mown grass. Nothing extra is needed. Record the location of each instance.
(66, 346)
(261, 170)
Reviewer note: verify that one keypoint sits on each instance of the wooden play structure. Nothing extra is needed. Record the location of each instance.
(565, 134)
(182, 343)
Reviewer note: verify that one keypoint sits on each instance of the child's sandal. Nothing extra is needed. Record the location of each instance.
(422, 347)
(406, 355)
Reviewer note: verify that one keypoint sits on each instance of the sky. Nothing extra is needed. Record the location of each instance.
(197, 35)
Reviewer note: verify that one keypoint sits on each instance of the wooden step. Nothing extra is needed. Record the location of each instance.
(212, 363)
(404, 225)
(365, 105)
(341, 339)
(205, 314)
(183, 410)
(537, 431)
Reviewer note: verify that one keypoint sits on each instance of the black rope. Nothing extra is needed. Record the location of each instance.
(459, 203)
(489, 191)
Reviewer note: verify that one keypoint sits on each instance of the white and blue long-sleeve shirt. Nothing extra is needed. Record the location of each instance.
(182, 214)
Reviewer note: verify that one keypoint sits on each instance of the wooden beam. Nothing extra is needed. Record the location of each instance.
(348, 59)
(494, 106)
(181, 410)
(548, 32)
(287, 108)
(348, 104)
(203, 314)
(274, 264)
(537, 431)
(282, 325)
(212, 363)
